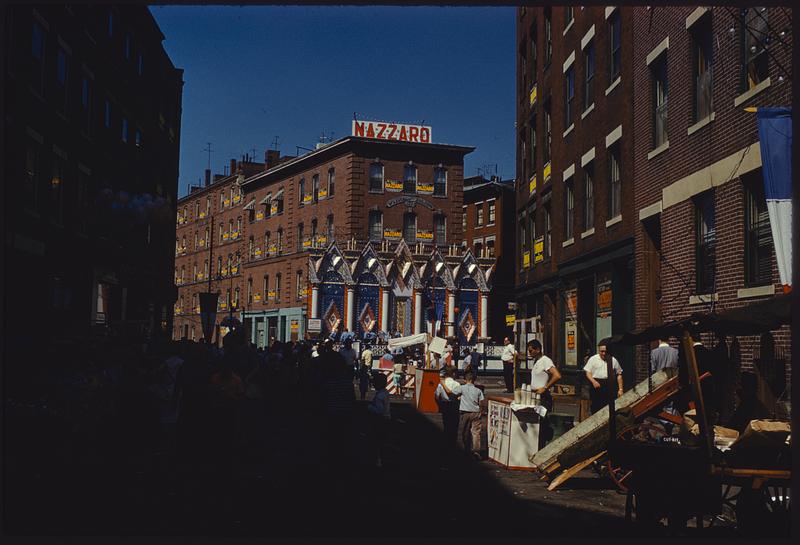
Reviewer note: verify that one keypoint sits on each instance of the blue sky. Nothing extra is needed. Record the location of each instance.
(256, 72)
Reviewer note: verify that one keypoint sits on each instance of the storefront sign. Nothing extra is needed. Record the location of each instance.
(273, 249)
(257, 297)
(236, 199)
(424, 189)
(226, 202)
(424, 235)
(225, 236)
(392, 131)
(604, 299)
(571, 344)
(294, 326)
(258, 252)
(571, 297)
(303, 292)
(394, 186)
(392, 234)
(411, 202)
(538, 250)
(314, 325)
(307, 242)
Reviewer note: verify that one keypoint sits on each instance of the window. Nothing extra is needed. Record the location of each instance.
(85, 104)
(278, 287)
(301, 189)
(331, 182)
(548, 233)
(107, 114)
(236, 297)
(221, 200)
(440, 182)
(532, 145)
(221, 232)
(280, 240)
(410, 179)
(196, 210)
(658, 70)
(569, 16)
(701, 65)
(464, 218)
(758, 234)
(228, 299)
(230, 229)
(705, 243)
(329, 230)
(239, 226)
(532, 60)
(125, 129)
(615, 186)
(314, 232)
(548, 37)
(569, 209)
(32, 176)
(588, 82)
(490, 247)
(208, 206)
(410, 227)
(196, 238)
(588, 196)
(57, 191)
(219, 266)
(548, 129)
(300, 233)
(523, 237)
(279, 199)
(249, 291)
(251, 248)
(492, 208)
(478, 247)
(299, 283)
(206, 241)
(183, 276)
(478, 214)
(267, 236)
(315, 186)
(205, 268)
(439, 229)
(523, 68)
(755, 37)
(62, 69)
(37, 51)
(194, 271)
(138, 138)
(266, 288)
(83, 201)
(376, 177)
(615, 46)
(569, 95)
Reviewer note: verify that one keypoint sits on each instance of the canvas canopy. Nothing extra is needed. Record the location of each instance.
(411, 340)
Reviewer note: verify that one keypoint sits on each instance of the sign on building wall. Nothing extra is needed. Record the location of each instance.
(392, 131)
(604, 306)
(322, 193)
(394, 186)
(392, 234)
(424, 188)
(532, 184)
(424, 235)
(314, 325)
(510, 320)
(259, 215)
(526, 259)
(273, 208)
(570, 343)
(547, 170)
(538, 250)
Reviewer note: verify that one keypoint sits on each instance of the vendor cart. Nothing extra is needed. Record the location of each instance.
(665, 475)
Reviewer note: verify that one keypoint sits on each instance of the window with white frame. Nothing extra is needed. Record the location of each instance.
(615, 185)
(492, 208)
(376, 178)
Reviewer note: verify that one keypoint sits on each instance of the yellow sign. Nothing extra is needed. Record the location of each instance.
(226, 202)
(303, 292)
(295, 325)
(307, 198)
(225, 236)
(424, 235)
(538, 250)
(202, 242)
(272, 294)
(273, 208)
(425, 189)
(257, 297)
(234, 270)
(273, 249)
(392, 234)
(322, 193)
(393, 185)
(235, 234)
(236, 199)
(202, 215)
(532, 184)
(224, 270)
(307, 243)
(533, 95)
(260, 215)
(223, 304)
(547, 169)
(322, 239)
(510, 320)
(526, 259)
(258, 252)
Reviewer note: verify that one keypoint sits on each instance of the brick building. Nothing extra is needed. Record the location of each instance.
(488, 220)
(350, 191)
(703, 239)
(574, 193)
(210, 244)
(92, 126)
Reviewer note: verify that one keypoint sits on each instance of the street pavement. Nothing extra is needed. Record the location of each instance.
(282, 481)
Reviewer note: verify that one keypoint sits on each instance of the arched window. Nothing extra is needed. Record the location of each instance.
(251, 248)
(410, 227)
(375, 225)
(301, 189)
(376, 177)
(280, 240)
(410, 179)
(331, 181)
(440, 182)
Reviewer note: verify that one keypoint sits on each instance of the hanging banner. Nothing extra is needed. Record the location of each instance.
(538, 250)
(526, 259)
(322, 193)
(424, 235)
(775, 134)
(273, 207)
(424, 189)
(259, 215)
(392, 234)
(394, 186)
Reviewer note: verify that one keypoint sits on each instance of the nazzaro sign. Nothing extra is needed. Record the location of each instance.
(392, 131)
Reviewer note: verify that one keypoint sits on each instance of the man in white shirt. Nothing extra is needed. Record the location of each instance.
(470, 410)
(447, 397)
(597, 372)
(544, 374)
(508, 357)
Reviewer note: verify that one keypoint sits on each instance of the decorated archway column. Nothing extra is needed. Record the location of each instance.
(417, 312)
(451, 313)
(349, 317)
(315, 301)
(385, 310)
(484, 315)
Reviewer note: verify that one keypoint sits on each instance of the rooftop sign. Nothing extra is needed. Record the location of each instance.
(392, 131)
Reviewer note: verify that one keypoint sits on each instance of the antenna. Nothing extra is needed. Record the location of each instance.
(275, 143)
(208, 149)
(253, 155)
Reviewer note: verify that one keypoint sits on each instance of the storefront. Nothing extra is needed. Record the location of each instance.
(282, 324)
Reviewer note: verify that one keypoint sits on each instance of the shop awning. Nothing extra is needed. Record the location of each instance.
(251, 205)
(266, 199)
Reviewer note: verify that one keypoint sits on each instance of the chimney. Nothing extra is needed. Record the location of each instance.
(271, 158)
(208, 177)
(233, 167)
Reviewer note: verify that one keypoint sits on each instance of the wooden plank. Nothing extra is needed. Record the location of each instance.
(697, 393)
(568, 473)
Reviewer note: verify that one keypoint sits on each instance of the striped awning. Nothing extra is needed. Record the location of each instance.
(251, 205)
(266, 199)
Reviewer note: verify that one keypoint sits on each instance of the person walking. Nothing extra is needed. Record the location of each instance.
(380, 412)
(470, 415)
(509, 358)
(350, 356)
(597, 373)
(544, 374)
(446, 396)
(663, 357)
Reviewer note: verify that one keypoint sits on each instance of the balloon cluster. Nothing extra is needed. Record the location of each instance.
(140, 208)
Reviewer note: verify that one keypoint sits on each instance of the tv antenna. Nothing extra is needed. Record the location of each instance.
(275, 143)
(208, 149)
